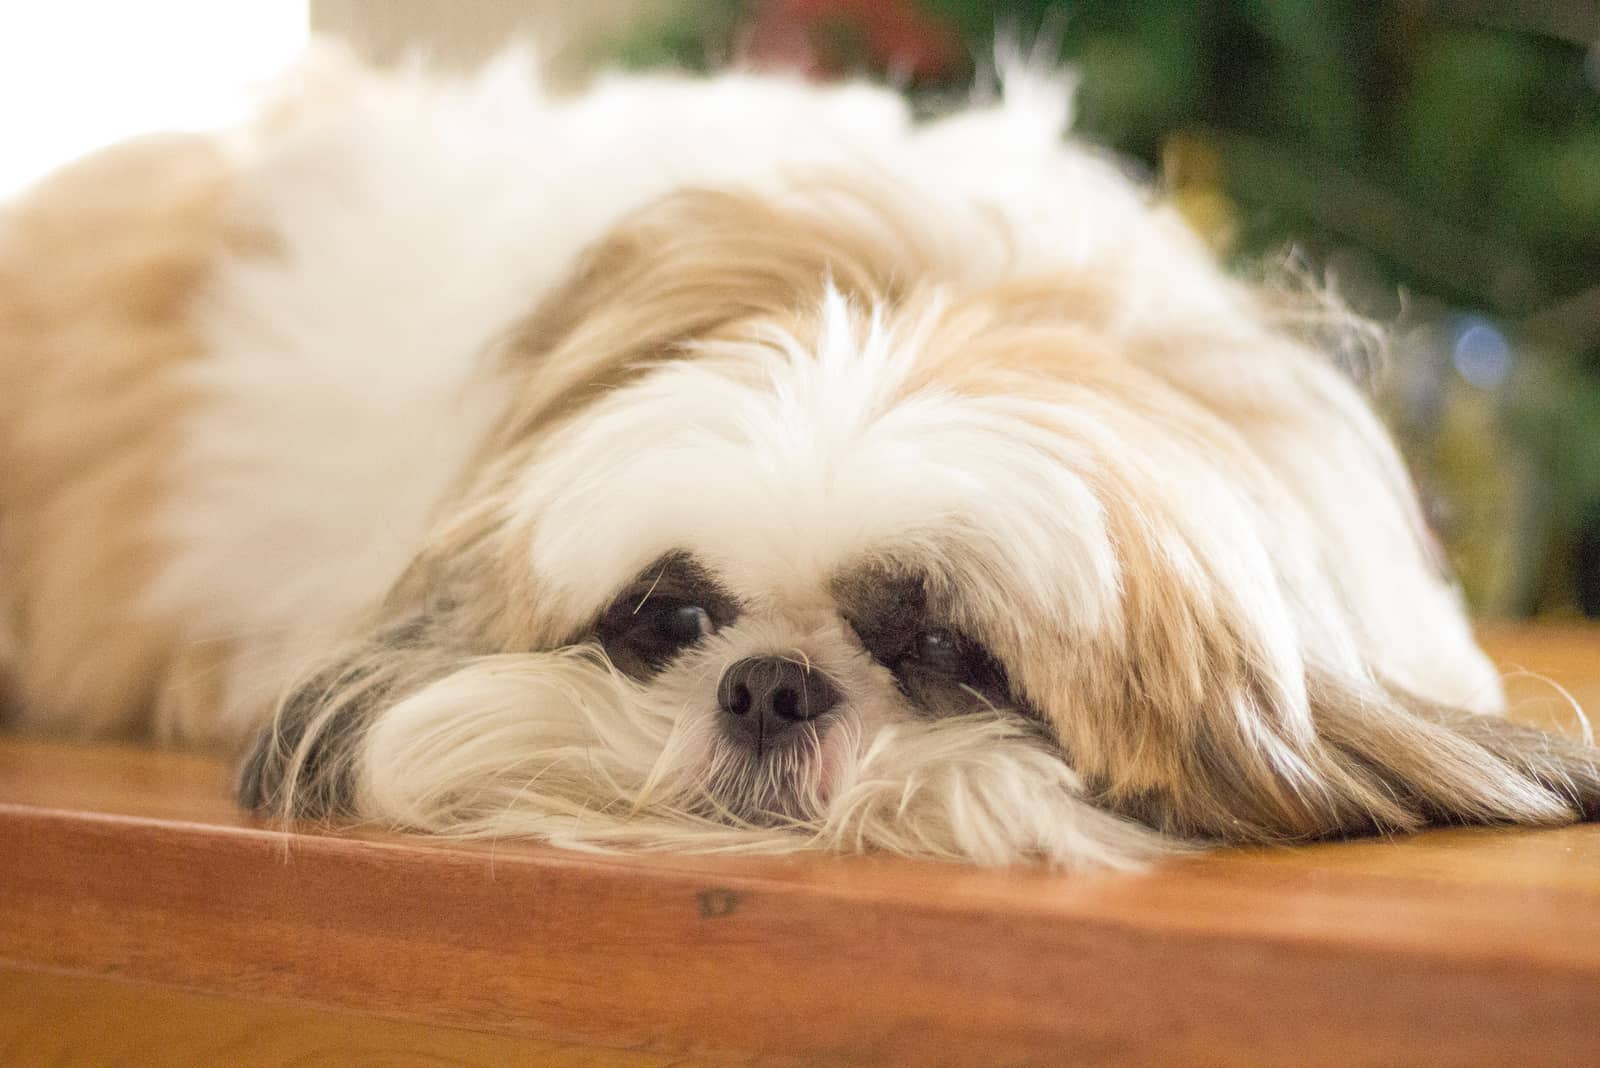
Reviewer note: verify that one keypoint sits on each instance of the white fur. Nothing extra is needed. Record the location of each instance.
(779, 476)
(974, 788)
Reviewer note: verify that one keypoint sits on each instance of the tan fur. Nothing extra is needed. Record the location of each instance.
(98, 267)
(697, 263)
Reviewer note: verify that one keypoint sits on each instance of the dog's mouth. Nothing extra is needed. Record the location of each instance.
(772, 784)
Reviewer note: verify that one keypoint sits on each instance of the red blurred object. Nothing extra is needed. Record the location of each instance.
(824, 38)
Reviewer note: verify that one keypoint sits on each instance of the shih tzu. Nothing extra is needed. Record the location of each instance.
(727, 464)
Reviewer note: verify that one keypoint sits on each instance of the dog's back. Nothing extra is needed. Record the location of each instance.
(98, 269)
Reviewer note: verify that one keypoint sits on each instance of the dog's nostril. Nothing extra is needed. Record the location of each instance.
(739, 700)
(786, 703)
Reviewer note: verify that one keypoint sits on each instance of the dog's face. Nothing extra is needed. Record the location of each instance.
(801, 527)
(792, 542)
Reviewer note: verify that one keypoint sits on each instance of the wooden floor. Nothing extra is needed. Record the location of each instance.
(144, 921)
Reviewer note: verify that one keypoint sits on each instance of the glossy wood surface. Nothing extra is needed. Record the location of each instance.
(127, 879)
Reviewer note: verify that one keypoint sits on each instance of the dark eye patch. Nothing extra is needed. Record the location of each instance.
(940, 668)
(944, 672)
(887, 611)
(673, 605)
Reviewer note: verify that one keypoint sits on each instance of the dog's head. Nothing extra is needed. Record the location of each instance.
(827, 516)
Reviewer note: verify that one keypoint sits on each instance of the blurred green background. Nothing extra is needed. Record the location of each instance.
(1436, 164)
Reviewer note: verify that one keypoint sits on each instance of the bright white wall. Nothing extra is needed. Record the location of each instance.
(77, 74)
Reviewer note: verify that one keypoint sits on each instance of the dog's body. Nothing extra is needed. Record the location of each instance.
(1055, 534)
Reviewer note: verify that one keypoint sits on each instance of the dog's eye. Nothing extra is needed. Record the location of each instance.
(945, 652)
(673, 604)
(941, 649)
(937, 667)
(654, 631)
(679, 626)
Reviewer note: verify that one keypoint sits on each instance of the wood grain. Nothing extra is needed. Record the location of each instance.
(71, 1021)
(1465, 946)
(1547, 669)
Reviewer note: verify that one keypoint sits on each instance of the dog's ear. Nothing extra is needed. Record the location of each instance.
(1447, 765)
(1252, 672)
(1200, 711)
(1375, 759)
(303, 764)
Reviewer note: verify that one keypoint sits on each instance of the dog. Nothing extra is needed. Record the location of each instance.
(718, 464)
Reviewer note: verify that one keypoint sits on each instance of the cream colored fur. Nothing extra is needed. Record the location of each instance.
(339, 433)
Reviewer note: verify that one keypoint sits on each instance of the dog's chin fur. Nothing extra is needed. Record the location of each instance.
(394, 393)
(599, 763)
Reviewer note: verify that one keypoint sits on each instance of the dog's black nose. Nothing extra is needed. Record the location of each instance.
(763, 698)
